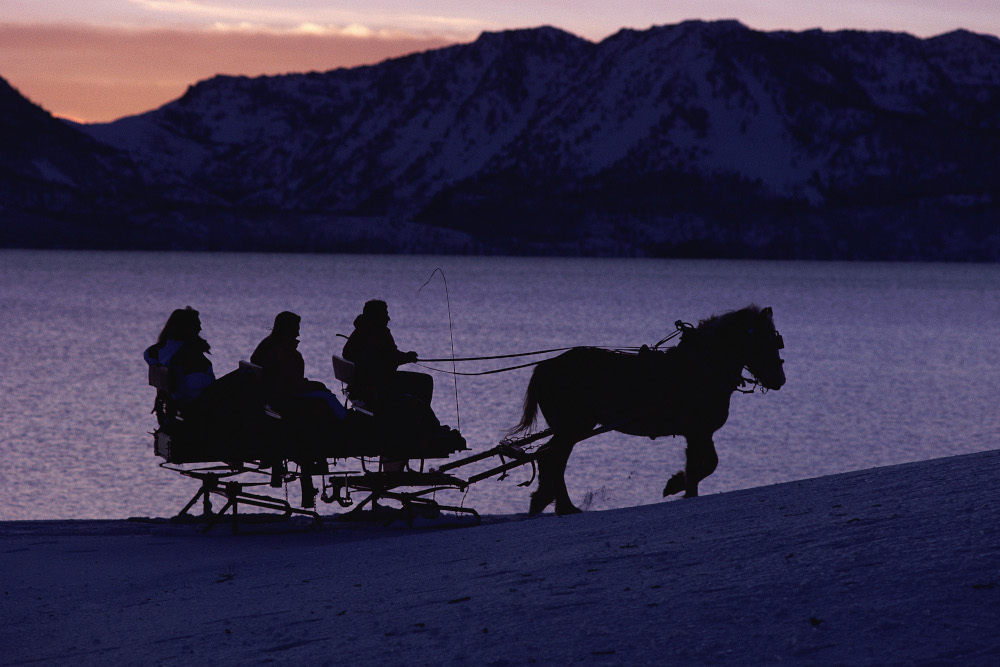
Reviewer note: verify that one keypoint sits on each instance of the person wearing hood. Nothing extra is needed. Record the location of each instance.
(401, 400)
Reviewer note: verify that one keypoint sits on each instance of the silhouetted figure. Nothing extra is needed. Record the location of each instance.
(376, 359)
(309, 406)
(209, 418)
(184, 352)
(401, 400)
(283, 369)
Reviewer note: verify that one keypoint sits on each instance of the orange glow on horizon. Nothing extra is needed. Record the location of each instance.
(101, 74)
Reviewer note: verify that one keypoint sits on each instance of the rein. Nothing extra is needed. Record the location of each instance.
(681, 327)
(510, 356)
(503, 356)
(495, 370)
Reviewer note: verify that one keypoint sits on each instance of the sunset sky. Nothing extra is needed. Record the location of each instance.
(98, 60)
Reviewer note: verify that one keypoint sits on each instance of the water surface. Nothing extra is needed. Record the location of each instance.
(886, 363)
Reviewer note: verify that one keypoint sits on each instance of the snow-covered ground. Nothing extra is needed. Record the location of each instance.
(884, 566)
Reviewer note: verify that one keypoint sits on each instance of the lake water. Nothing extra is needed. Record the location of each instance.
(886, 363)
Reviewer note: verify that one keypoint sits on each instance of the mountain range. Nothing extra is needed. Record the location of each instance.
(701, 139)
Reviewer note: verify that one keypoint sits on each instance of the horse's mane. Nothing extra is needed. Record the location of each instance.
(722, 324)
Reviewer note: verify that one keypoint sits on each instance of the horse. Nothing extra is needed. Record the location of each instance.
(683, 390)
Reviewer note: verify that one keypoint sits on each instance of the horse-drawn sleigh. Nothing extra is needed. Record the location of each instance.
(682, 390)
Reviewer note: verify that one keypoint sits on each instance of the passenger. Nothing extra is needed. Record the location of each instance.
(309, 406)
(283, 369)
(376, 359)
(219, 416)
(182, 350)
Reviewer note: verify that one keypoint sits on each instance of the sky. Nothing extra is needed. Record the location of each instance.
(99, 60)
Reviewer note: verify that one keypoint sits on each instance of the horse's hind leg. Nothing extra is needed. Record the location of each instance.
(552, 478)
(543, 496)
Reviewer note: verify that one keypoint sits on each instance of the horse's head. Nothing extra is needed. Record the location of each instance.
(763, 345)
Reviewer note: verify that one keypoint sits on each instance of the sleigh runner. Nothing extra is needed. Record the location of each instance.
(250, 458)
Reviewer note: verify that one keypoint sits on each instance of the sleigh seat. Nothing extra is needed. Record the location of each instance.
(385, 436)
(394, 457)
(230, 441)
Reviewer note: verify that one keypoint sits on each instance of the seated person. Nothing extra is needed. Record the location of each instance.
(308, 405)
(401, 400)
(220, 415)
(376, 359)
(183, 351)
(283, 370)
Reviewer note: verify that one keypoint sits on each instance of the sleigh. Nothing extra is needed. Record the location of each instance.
(235, 458)
(254, 456)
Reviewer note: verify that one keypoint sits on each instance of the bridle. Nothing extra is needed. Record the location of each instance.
(753, 381)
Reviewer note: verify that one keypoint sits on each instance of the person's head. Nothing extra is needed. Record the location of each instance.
(376, 312)
(286, 325)
(183, 324)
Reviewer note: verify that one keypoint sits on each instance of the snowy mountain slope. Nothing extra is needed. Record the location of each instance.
(796, 113)
(648, 141)
(56, 183)
(34, 146)
(335, 140)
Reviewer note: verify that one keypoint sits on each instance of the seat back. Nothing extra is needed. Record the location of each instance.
(254, 374)
(164, 407)
(159, 377)
(343, 369)
(251, 370)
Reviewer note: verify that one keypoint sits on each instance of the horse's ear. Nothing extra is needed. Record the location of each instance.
(767, 312)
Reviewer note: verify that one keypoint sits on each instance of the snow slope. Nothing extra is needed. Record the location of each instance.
(884, 566)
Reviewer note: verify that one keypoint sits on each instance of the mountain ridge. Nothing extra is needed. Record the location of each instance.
(693, 139)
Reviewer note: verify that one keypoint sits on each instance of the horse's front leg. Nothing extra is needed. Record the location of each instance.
(675, 484)
(701, 462)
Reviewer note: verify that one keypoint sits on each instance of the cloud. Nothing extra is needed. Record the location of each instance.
(312, 29)
(304, 16)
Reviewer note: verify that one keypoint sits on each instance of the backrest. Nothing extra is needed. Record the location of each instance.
(251, 370)
(164, 407)
(159, 377)
(343, 369)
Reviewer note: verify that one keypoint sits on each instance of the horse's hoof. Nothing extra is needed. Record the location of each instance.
(563, 510)
(538, 504)
(675, 484)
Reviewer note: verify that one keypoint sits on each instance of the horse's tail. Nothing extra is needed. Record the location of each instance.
(530, 414)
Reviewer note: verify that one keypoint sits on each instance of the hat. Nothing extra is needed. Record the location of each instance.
(375, 307)
(286, 322)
